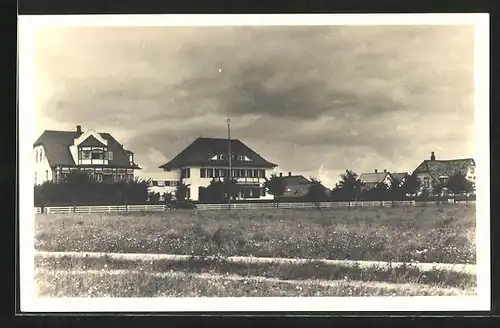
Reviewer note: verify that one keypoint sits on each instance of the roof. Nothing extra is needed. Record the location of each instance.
(295, 180)
(399, 176)
(448, 168)
(199, 152)
(91, 141)
(57, 143)
(297, 186)
(373, 177)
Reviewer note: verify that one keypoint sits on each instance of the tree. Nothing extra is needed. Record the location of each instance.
(78, 184)
(229, 187)
(219, 191)
(425, 193)
(316, 192)
(437, 188)
(411, 186)
(181, 192)
(396, 191)
(459, 184)
(275, 186)
(349, 187)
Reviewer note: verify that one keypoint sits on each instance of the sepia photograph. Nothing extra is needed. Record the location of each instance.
(197, 164)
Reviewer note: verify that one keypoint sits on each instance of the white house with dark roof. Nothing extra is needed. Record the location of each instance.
(208, 158)
(432, 171)
(370, 180)
(56, 153)
(161, 182)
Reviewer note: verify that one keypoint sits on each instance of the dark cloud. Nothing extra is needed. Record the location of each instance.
(341, 96)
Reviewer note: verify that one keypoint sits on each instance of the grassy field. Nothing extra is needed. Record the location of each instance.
(106, 283)
(447, 232)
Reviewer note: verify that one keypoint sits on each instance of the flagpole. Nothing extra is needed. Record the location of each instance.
(229, 185)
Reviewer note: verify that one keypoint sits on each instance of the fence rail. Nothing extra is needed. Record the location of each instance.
(236, 206)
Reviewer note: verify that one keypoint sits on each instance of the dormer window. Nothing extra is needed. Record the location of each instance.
(472, 170)
(131, 158)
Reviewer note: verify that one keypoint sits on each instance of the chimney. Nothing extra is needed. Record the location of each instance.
(79, 129)
(375, 170)
(433, 157)
(281, 175)
(289, 174)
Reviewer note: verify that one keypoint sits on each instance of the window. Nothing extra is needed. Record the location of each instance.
(97, 154)
(262, 173)
(426, 182)
(472, 170)
(242, 173)
(210, 173)
(241, 158)
(131, 158)
(188, 193)
(46, 175)
(41, 155)
(203, 173)
(186, 173)
(36, 157)
(249, 173)
(255, 173)
(35, 172)
(86, 154)
(98, 176)
(108, 155)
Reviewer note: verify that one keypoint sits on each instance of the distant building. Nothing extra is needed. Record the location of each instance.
(160, 182)
(208, 158)
(57, 153)
(432, 171)
(297, 186)
(371, 180)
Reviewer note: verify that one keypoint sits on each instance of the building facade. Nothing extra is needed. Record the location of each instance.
(433, 172)
(161, 182)
(207, 159)
(57, 153)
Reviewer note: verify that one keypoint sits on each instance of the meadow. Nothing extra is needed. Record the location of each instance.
(439, 233)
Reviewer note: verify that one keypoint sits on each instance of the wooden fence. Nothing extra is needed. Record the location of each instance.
(237, 206)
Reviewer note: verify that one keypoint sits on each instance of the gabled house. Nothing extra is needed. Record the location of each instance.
(208, 158)
(297, 187)
(370, 180)
(57, 153)
(432, 171)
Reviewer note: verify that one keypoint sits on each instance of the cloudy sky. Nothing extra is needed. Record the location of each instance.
(315, 100)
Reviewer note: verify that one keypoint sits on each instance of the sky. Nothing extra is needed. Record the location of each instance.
(316, 100)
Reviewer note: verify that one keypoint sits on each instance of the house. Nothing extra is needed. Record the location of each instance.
(433, 171)
(297, 187)
(57, 153)
(400, 177)
(161, 182)
(371, 180)
(208, 158)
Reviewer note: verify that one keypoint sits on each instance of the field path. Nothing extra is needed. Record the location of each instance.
(467, 268)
